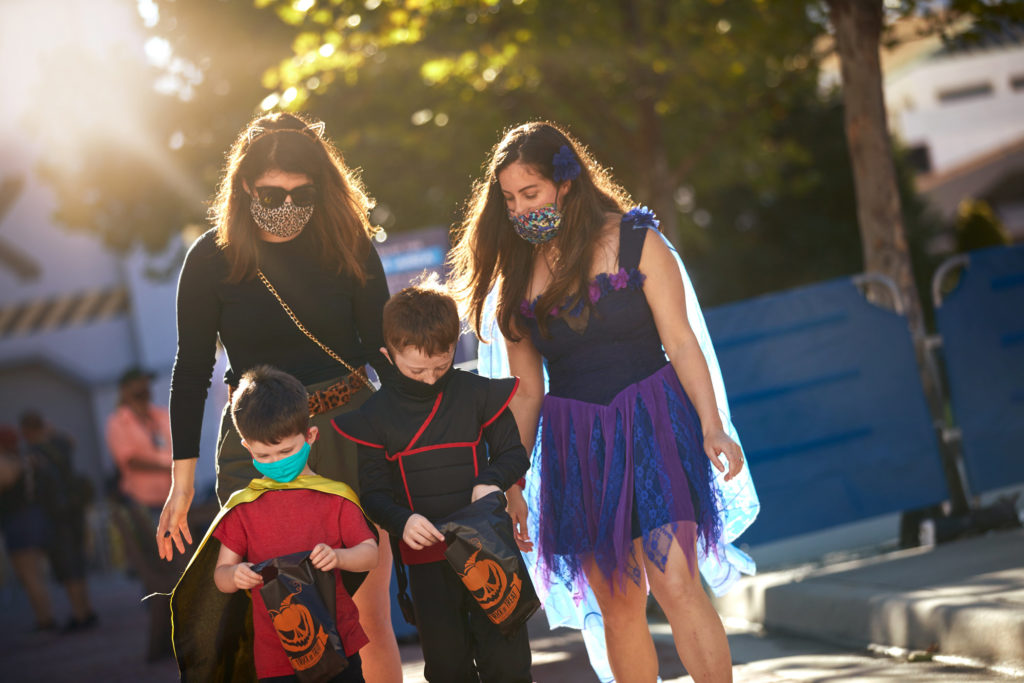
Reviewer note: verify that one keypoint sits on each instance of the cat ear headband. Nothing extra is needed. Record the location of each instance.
(316, 129)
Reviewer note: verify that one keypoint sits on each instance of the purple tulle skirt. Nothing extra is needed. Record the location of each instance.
(611, 473)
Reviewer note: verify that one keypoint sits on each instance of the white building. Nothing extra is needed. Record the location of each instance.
(953, 104)
(958, 109)
(74, 316)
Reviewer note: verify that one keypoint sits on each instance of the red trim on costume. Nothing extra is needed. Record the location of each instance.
(423, 427)
(409, 450)
(352, 438)
(437, 446)
(405, 483)
(515, 388)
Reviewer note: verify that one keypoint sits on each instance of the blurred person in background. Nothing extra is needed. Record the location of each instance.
(25, 527)
(64, 495)
(287, 277)
(139, 439)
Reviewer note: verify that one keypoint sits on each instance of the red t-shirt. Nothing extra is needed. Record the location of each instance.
(291, 521)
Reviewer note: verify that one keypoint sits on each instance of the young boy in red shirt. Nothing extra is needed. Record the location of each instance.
(290, 510)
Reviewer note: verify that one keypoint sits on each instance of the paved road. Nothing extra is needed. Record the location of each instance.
(761, 657)
(113, 651)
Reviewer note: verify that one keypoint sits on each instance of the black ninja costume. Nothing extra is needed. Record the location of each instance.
(422, 448)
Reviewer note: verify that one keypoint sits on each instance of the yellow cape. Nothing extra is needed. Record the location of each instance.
(212, 631)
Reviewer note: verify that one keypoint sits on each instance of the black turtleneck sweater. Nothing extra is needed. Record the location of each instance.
(462, 414)
(254, 329)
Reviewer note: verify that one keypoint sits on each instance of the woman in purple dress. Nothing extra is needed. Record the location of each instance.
(629, 427)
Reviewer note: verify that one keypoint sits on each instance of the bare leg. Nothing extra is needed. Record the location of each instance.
(381, 660)
(28, 565)
(630, 647)
(696, 628)
(78, 596)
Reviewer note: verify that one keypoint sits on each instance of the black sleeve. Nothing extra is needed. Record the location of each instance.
(507, 459)
(368, 307)
(198, 311)
(376, 492)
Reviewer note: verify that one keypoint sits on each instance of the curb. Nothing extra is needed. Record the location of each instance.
(938, 599)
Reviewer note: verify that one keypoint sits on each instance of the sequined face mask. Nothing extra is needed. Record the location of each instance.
(283, 221)
(539, 225)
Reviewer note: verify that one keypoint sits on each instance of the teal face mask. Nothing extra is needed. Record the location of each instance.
(285, 469)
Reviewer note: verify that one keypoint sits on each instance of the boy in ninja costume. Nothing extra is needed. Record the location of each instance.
(290, 510)
(431, 441)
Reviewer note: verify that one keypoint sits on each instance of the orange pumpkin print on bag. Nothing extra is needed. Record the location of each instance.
(489, 585)
(304, 640)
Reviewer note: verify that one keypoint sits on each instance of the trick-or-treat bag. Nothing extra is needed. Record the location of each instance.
(297, 596)
(483, 552)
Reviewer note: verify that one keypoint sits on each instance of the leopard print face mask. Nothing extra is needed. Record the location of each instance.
(286, 220)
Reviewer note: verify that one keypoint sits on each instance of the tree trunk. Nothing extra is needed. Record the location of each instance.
(655, 187)
(858, 29)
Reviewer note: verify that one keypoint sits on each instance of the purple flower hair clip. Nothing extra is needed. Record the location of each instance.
(566, 166)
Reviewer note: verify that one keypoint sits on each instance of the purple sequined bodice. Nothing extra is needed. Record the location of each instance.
(620, 344)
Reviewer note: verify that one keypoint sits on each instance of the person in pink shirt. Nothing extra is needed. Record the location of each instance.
(139, 439)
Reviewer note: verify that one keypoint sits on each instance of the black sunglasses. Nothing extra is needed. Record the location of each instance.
(271, 197)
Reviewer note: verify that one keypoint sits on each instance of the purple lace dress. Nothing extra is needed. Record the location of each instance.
(622, 452)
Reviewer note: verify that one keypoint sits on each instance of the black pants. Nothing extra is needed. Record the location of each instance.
(460, 645)
(353, 673)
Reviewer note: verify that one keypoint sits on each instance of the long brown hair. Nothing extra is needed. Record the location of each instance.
(340, 223)
(487, 248)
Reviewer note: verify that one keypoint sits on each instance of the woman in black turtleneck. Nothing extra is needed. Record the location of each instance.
(290, 210)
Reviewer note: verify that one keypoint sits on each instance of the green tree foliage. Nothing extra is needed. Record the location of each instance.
(662, 91)
(706, 110)
(709, 112)
(749, 242)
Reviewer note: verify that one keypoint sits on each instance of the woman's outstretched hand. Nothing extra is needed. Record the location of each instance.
(717, 442)
(173, 527)
(518, 511)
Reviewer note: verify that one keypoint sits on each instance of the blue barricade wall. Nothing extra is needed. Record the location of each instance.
(982, 328)
(827, 400)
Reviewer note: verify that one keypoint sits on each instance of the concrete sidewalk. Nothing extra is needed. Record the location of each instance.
(114, 651)
(963, 599)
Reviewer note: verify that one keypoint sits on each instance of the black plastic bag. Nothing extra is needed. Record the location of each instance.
(483, 552)
(301, 601)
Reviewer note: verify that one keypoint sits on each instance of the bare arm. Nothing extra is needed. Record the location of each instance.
(666, 296)
(173, 527)
(233, 573)
(359, 558)
(524, 361)
(134, 453)
(142, 464)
